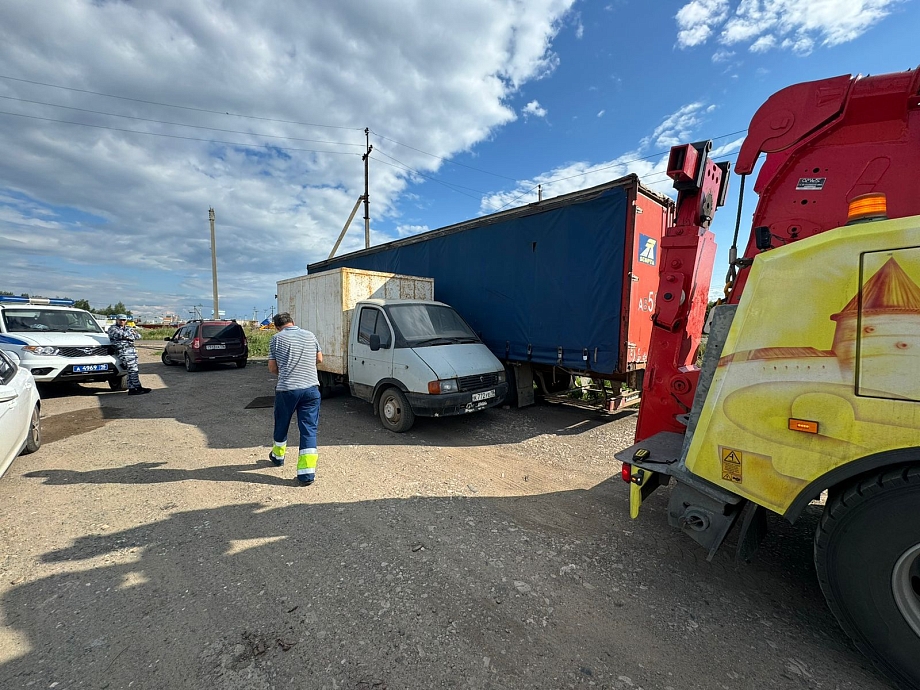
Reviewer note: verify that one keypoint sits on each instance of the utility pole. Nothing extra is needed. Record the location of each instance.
(367, 213)
(539, 192)
(213, 261)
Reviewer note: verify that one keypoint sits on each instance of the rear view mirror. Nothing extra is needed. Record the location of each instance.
(168, 340)
(374, 342)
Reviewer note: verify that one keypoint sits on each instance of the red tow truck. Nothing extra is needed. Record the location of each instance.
(809, 386)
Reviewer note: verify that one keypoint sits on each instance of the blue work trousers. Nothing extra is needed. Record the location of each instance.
(305, 402)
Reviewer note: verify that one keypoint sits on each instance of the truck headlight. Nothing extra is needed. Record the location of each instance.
(444, 386)
(46, 350)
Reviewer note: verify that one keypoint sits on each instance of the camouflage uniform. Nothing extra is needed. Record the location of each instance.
(123, 338)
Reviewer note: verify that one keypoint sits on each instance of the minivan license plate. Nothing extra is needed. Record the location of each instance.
(485, 395)
(215, 347)
(82, 368)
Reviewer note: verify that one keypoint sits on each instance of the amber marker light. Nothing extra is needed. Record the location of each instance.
(803, 425)
(868, 206)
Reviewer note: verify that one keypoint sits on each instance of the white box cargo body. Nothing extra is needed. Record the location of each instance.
(324, 302)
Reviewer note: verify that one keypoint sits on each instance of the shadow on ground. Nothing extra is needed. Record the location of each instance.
(550, 591)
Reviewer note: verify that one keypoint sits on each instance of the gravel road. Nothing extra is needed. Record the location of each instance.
(149, 544)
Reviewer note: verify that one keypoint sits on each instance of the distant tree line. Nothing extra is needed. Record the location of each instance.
(118, 308)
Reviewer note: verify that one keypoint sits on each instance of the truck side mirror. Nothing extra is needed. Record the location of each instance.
(374, 342)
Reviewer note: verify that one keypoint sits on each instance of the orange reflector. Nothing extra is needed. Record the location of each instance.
(803, 425)
(873, 205)
(434, 387)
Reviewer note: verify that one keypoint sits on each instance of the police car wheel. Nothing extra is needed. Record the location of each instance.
(118, 383)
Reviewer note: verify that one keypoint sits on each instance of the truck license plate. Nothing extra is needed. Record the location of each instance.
(215, 347)
(82, 368)
(485, 395)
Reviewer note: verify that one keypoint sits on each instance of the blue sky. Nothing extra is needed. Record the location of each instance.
(122, 123)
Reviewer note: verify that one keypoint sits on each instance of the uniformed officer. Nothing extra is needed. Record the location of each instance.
(123, 337)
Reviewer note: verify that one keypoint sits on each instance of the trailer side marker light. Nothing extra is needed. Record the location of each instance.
(874, 205)
(626, 473)
(803, 425)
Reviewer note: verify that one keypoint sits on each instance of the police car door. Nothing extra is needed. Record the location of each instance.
(367, 367)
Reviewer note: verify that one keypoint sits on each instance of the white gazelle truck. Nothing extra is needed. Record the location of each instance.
(385, 337)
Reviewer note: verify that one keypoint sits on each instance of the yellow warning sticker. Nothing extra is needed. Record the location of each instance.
(732, 462)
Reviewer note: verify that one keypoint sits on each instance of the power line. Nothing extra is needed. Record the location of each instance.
(177, 124)
(427, 177)
(612, 165)
(181, 107)
(445, 160)
(177, 136)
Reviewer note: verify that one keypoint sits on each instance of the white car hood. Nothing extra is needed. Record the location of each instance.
(56, 339)
(458, 360)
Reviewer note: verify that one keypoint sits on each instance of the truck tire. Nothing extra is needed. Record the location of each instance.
(867, 555)
(34, 439)
(395, 411)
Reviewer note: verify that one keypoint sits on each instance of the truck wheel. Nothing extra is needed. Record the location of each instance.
(326, 384)
(34, 440)
(395, 411)
(867, 554)
(189, 364)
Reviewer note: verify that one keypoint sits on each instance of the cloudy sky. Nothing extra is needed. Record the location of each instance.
(122, 123)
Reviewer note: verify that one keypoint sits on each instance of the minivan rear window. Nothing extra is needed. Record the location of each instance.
(223, 331)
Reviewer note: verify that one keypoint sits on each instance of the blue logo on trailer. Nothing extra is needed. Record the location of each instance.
(648, 250)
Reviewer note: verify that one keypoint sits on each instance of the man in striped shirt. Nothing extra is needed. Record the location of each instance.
(293, 354)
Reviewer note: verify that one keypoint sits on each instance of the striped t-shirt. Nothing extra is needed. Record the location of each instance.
(294, 351)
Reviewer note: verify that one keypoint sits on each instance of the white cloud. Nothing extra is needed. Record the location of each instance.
(534, 108)
(677, 128)
(132, 208)
(723, 56)
(788, 24)
(601, 113)
(696, 19)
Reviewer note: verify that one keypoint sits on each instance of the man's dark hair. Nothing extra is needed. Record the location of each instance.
(281, 320)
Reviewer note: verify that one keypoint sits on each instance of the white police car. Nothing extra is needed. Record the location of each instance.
(57, 342)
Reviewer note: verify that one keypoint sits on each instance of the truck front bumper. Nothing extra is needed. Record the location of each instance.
(424, 405)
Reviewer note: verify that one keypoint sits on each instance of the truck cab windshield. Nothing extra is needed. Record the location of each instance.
(430, 324)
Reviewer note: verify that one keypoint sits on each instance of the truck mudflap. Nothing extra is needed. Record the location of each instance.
(425, 405)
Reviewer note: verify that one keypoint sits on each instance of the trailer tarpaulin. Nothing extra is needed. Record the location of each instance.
(544, 287)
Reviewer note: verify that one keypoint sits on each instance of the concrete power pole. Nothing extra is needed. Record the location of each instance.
(367, 212)
(214, 262)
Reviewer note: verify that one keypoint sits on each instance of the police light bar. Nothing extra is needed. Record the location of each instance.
(36, 300)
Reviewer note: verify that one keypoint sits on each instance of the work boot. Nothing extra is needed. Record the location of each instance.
(306, 480)
(277, 462)
(138, 391)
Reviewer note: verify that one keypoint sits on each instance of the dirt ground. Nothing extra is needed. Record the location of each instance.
(149, 544)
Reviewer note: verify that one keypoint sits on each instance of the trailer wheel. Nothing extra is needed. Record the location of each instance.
(326, 384)
(395, 411)
(867, 554)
